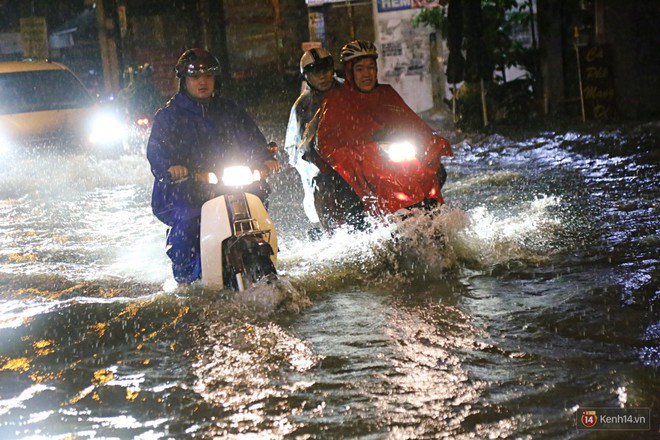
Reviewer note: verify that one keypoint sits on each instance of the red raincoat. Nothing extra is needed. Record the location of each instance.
(348, 121)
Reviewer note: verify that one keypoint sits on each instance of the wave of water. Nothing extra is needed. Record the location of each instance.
(426, 245)
(531, 293)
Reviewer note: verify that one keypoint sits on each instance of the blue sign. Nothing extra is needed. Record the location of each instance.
(393, 5)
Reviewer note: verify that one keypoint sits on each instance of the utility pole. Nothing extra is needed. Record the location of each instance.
(351, 22)
(107, 48)
(277, 25)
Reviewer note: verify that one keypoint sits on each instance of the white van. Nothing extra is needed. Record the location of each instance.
(44, 106)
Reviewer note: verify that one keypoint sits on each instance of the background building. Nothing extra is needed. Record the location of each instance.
(261, 40)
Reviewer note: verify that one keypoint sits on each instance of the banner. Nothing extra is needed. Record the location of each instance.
(322, 2)
(34, 37)
(597, 82)
(389, 5)
(400, 5)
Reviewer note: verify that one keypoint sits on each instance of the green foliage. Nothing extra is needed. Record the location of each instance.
(505, 102)
(500, 18)
(434, 17)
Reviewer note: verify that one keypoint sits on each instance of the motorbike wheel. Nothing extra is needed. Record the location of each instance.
(257, 267)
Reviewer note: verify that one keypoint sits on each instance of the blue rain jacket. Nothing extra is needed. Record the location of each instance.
(202, 138)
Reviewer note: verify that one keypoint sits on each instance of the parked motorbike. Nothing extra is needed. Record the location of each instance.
(397, 171)
(507, 103)
(238, 242)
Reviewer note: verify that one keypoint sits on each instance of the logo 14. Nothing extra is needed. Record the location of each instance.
(589, 418)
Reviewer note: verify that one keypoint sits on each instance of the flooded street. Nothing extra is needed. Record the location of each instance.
(533, 292)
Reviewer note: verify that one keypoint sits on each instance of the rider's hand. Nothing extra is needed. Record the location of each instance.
(178, 172)
(272, 166)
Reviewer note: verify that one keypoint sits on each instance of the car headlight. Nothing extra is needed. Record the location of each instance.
(5, 146)
(106, 129)
(239, 176)
(400, 151)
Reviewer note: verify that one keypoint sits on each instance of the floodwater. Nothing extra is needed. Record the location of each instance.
(532, 293)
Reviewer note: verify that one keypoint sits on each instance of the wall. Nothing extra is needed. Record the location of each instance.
(632, 31)
(344, 23)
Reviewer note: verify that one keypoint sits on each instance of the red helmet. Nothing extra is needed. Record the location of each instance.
(196, 61)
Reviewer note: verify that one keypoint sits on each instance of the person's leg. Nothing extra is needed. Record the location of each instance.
(349, 204)
(336, 202)
(324, 201)
(307, 173)
(183, 245)
(442, 175)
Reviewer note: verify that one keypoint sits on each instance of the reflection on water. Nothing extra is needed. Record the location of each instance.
(532, 293)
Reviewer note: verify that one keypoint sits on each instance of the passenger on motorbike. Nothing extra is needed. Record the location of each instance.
(196, 131)
(317, 68)
(140, 96)
(353, 119)
(137, 103)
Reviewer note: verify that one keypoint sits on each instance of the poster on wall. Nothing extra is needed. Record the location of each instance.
(316, 26)
(404, 59)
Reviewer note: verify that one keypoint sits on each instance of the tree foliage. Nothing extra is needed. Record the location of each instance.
(501, 18)
(485, 52)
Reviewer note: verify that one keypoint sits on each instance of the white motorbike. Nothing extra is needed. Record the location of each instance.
(238, 242)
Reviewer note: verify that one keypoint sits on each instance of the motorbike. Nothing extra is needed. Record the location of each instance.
(507, 103)
(238, 242)
(138, 129)
(398, 171)
(137, 103)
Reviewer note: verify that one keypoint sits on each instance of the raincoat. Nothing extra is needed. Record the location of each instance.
(302, 112)
(140, 98)
(349, 122)
(201, 138)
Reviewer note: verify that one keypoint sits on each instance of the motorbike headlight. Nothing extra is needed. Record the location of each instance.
(239, 176)
(106, 129)
(400, 151)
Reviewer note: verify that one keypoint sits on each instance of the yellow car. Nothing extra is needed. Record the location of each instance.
(45, 107)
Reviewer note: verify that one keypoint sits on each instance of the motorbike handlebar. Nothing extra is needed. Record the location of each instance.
(209, 177)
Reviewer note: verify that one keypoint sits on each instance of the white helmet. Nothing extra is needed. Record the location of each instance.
(358, 49)
(316, 60)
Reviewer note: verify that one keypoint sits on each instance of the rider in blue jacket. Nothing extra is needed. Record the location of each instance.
(197, 131)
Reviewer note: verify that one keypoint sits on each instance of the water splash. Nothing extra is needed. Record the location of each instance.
(271, 294)
(522, 234)
(424, 245)
(58, 175)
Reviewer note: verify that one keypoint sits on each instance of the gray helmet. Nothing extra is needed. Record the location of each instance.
(316, 60)
(358, 49)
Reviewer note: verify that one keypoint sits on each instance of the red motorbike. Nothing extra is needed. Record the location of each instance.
(396, 171)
